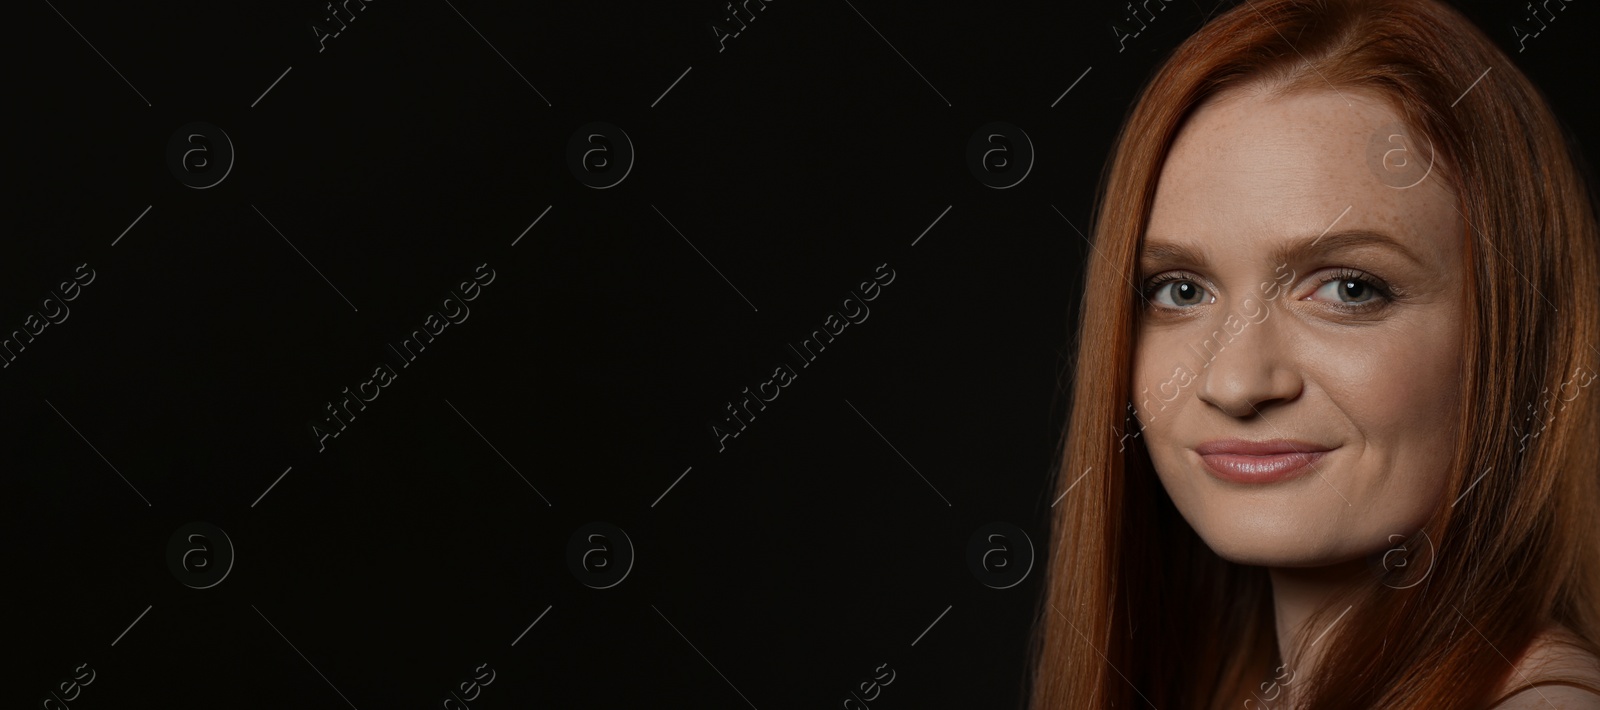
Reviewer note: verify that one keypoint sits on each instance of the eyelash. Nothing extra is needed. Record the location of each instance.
(1385, 294)
(1155, 283)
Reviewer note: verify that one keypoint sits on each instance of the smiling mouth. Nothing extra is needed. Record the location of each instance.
(1240, 461)
(1272, 468)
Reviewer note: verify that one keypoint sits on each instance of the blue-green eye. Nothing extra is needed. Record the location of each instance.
(1176, 291)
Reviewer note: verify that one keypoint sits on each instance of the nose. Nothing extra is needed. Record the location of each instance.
(1243, 374)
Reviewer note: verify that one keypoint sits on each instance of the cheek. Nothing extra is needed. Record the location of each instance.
(1401, 393)
(1401, 387)
(1163, 383)
(1160, 379)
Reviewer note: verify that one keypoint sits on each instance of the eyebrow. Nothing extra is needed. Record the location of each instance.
(1317, 245)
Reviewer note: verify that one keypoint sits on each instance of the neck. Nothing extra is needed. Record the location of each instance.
(1297, 592)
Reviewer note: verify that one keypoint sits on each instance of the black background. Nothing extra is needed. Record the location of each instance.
(382, 571)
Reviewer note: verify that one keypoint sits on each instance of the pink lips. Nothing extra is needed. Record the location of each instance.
(1270, 461)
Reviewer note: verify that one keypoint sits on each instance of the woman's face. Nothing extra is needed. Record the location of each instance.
(1298, 362)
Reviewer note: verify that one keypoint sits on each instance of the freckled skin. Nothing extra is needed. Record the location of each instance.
(1249, 173)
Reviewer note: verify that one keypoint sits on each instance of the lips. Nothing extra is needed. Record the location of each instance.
(1271, 461)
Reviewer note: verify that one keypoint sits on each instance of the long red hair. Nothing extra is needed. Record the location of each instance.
(1137, 611)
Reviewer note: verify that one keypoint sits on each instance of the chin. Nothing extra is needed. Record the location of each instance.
(1284, 556)
(1284, 538)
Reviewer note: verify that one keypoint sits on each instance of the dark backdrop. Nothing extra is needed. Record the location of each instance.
(432, 542)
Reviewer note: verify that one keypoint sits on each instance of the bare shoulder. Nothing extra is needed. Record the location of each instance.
(1546, 697)
(1557, 653)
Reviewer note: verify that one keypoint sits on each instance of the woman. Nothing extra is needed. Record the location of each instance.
(1331, 441)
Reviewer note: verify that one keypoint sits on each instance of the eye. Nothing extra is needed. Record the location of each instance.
(1352, 288)
(1176, 290)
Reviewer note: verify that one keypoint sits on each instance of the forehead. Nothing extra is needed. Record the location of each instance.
(1247, 166)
